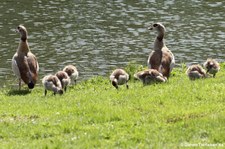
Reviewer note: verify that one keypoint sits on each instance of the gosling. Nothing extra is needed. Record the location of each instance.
(196, 72)
(119, 77)
(64, 79)
(52, 83)
(212, 66)
(72, 73)
(150, 76)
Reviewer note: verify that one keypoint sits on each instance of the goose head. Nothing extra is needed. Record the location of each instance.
(23, 32)
(158, 27)
(58, 91)
(115, 83)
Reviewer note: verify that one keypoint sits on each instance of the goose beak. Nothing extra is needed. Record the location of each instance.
(14, 30)
(150, 28)
(17, 30)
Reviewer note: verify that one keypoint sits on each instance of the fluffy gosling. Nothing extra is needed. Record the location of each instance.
(64, 79)
(72, 73)
(212, 66)
(119, 77)
(196, 72)
(52, 83)
(150, 76)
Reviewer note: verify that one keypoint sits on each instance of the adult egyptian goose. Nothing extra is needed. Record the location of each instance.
(24, 63)
(64, 79)
(212, 66)
(150, 76)
(52, 83)
(72, 73)
(161, 58)
(119, 77)
(196, 72)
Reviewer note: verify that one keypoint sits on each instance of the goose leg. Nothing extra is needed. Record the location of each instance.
(65, 89)
(127, 86)
(19, 84)
(45, 92)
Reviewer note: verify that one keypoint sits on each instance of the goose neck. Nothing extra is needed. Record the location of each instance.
(23, 47)
(158, 44)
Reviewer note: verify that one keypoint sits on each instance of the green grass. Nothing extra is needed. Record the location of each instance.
(93, 114)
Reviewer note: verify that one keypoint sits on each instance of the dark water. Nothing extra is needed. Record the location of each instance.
(98, 36)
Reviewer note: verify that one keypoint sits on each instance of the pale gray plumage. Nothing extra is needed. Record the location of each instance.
(52, 83)
(196, 72)
(72, 72)
(212, 66)
(119, 77)
(64, 79)
(150, 76)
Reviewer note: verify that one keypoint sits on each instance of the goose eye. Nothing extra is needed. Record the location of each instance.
(155, 25)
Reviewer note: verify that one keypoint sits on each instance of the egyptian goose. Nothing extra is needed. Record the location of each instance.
(212, 66)
(150, 76)
(24, 63)
(161, 58)
(52, 83)
(72, 73)
(64, 79)
(119, 77)
(196, 72)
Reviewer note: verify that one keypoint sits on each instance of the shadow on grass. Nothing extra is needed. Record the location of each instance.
(14, 92)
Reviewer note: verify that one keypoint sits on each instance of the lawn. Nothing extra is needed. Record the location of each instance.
(93, 114)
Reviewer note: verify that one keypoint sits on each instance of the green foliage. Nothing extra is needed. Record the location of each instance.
(222, 65)
(133, 68)
(93, 114)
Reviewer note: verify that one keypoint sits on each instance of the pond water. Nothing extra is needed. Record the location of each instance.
(98, 36)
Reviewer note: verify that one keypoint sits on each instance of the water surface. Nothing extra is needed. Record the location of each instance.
(98, 36)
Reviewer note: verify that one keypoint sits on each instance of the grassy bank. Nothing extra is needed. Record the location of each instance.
(92, 114)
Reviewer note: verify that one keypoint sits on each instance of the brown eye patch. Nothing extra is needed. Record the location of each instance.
(155, 25)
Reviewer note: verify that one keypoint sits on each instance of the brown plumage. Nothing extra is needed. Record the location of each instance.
(119, 77)
(72, 73)
(212, 66)
(52, 83)
(161, 58)
(150, 76)
(64, 79)
(196, 72)
(24, 63)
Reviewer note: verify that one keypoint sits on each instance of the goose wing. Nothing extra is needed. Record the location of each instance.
(15, 67)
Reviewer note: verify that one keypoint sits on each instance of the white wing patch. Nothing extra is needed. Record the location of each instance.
(172, 64)
(149, 57)
(37, 67)
(15, 68)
